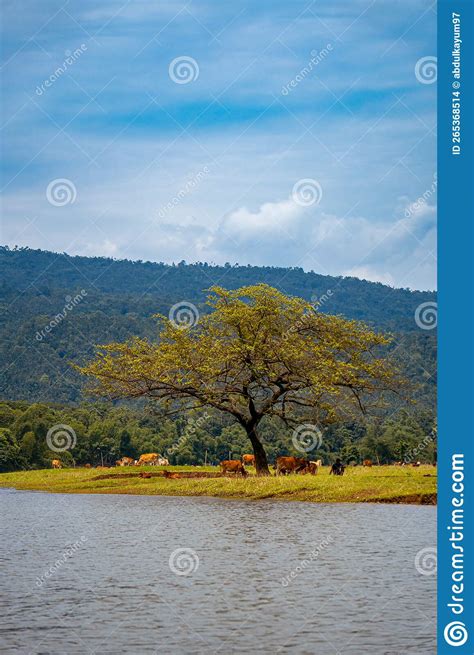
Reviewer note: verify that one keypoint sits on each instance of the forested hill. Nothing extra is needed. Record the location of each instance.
(118, 298)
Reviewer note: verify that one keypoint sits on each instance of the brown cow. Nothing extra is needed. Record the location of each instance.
(56, 463)
(125, 461)
(286, 465)
(148, 459)
(367, 462)
(87, 466)
(233, 466)
(248, 459)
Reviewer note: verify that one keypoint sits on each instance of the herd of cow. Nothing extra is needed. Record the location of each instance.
(283, 466)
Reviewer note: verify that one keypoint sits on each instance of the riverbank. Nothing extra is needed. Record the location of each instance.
(378, 484)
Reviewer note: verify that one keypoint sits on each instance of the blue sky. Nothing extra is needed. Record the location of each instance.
(211, 169)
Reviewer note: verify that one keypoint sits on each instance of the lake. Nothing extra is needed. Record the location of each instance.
(133, 574)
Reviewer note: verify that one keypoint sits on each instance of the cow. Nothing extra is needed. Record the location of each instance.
(125, 461)
(249, 460)
(162, 461)
(312, 468)
(337, 468)
(233, 466)
(286, 465)
(319, 463)
(367, 462)
(148, 459)
(416, 464)
(56, 464)
(87, 466)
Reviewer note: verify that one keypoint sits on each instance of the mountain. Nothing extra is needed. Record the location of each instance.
(56, 307)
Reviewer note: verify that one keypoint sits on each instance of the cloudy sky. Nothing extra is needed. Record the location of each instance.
(287, 133)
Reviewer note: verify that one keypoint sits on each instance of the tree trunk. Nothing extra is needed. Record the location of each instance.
(261, 464)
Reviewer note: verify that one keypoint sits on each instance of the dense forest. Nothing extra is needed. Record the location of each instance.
(92, 301)
(56, 308)
(100, 434)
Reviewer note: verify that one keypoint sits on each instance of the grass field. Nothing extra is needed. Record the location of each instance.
(389, 484)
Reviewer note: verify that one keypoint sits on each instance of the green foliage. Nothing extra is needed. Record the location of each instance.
(122, 296)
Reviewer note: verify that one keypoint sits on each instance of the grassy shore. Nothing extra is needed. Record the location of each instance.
(382, 484)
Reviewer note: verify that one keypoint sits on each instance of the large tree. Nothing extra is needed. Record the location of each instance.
(258, 353)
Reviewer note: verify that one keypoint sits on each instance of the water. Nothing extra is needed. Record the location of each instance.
(85, 574)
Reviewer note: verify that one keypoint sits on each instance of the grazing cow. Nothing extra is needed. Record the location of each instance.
(125, 461)
(87, 466)
(162, 461)
(319, 462)
(367, 462)
(249, 460)
(148, 459)
(56, 464)
(233, 466)
(337, 468)
(286, 465)
(416, 464)
(312, 468)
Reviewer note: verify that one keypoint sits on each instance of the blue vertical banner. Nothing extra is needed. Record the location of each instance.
(455, 327)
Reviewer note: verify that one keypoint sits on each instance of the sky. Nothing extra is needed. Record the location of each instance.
(283, 133)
